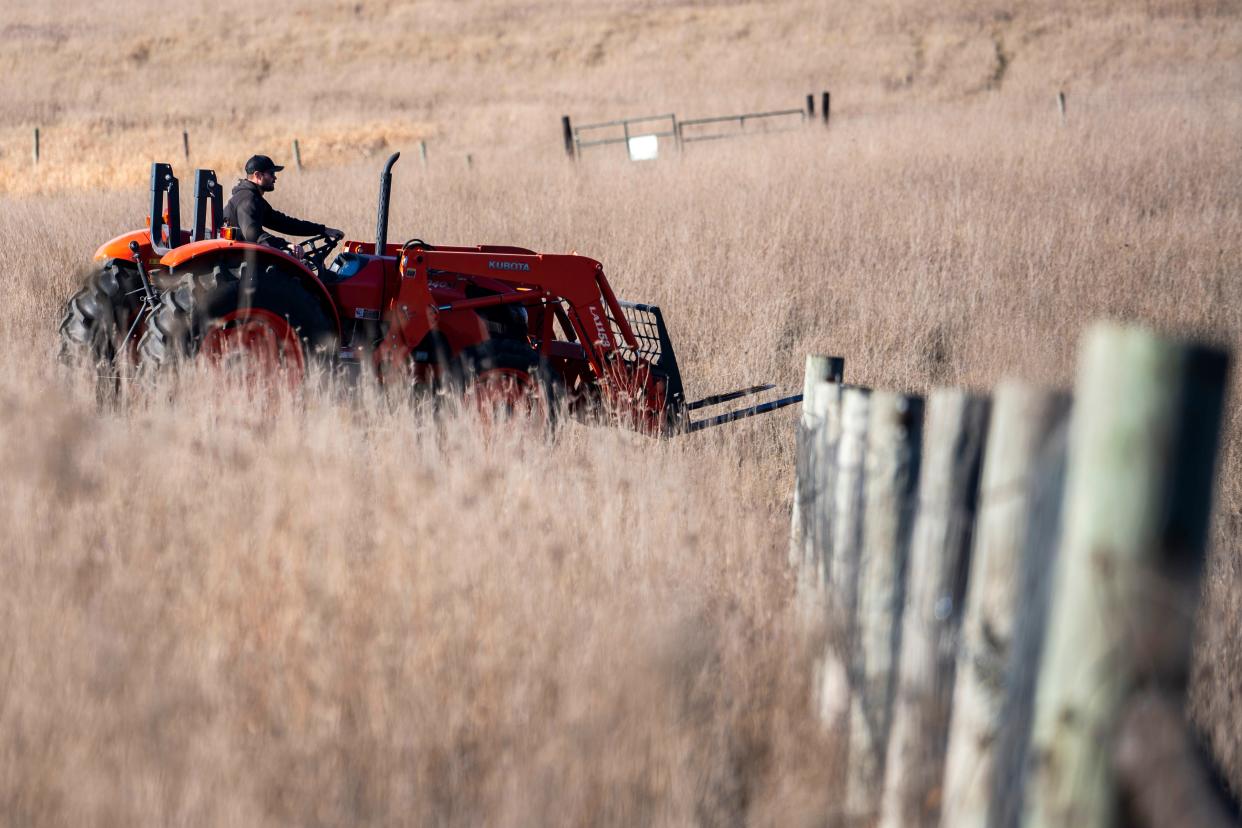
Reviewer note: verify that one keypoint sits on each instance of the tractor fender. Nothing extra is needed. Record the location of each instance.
(118, 248)
(208, 251)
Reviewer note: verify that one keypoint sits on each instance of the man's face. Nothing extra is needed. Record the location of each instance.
(265, 180)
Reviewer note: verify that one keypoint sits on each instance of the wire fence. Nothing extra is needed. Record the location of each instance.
(641, 136)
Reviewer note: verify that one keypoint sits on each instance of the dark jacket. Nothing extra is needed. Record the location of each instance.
(248, 211)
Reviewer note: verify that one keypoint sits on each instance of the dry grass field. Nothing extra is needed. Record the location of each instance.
(337, 610)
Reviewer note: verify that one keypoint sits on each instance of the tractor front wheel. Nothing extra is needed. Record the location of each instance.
(503, 378)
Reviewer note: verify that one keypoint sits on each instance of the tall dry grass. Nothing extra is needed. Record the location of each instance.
(336, 609)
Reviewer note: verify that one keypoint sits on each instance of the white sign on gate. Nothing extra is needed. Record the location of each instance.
(644, 148)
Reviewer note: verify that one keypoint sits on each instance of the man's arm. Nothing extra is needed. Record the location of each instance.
(293, 226)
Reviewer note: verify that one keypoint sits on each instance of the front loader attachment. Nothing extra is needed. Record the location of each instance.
(742, 413)
(656, 347)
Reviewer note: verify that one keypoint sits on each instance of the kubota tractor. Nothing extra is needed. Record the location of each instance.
(505, 326)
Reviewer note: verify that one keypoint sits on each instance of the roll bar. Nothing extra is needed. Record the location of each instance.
(165, 200)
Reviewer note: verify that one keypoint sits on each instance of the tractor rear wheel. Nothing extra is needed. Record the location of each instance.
(97, 318)
(502, 378)
(269, 324)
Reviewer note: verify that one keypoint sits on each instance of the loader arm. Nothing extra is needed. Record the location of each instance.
(578, 281)
(572, 287)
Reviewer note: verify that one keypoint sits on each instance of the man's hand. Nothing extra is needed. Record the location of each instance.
(333, 232)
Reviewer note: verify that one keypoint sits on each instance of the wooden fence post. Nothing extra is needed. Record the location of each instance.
(810, 105)
(1138, 496)
(1043, 541)
(1025, 425)
(185, 144)
(894, 446)
(567, 131)
(939, 559)
(825, 109)
(1061, 105)
(297, 154)
(824, 452)
(422, 153)
(841, 570)
(818, 369)
(817, 488)
(848, 499)
(35, 149)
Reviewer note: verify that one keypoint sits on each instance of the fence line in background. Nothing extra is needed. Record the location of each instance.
(624, 131)
(939, 594)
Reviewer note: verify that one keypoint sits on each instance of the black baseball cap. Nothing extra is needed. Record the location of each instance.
(261, 163)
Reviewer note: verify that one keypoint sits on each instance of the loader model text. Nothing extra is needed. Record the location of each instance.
(600, 329)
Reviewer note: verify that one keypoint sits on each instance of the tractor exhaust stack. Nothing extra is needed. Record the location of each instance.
(381, 224)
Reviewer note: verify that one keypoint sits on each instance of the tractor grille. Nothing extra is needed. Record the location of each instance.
(654, 344)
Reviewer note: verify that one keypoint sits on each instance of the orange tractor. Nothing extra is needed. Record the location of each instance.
(506, 326)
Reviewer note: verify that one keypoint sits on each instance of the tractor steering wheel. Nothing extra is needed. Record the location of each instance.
(315, 250)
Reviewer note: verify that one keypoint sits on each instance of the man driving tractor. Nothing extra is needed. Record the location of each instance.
(250, 213)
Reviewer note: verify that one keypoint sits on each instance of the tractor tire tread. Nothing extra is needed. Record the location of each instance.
(97, 316)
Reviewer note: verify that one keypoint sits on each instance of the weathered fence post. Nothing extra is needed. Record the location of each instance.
(810, 105)
(825, 108)
(1138, 495)
(1013, 738)
(297, 154)
(939, 560)
(1061, 105)
(818, 473)
(894, 446)
(841, 569)
(422, 153)
(824, 454)
(35, 148)
(818, 369)
(568, 132)
(185, 144)
(848, 499)
(1025, 426)
(469, 161)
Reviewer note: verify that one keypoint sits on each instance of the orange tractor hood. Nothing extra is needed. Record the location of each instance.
(180, 255)
(118, 248)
